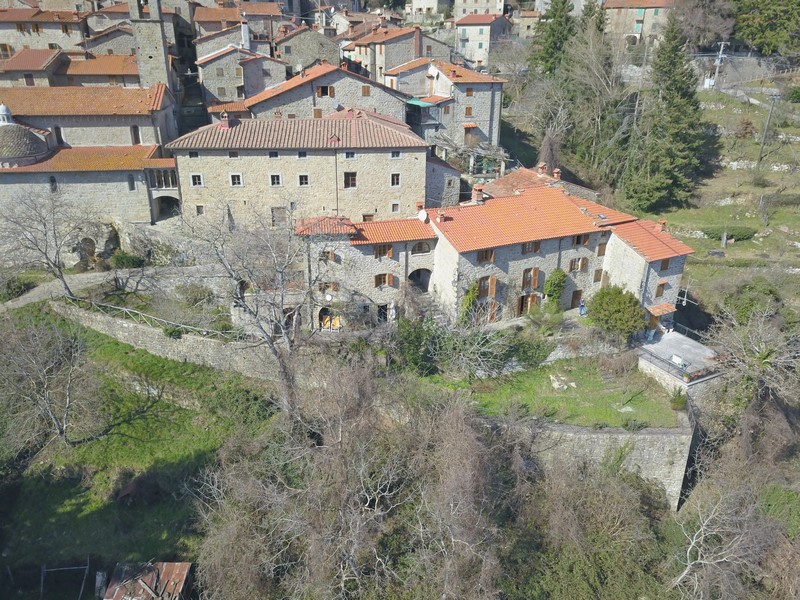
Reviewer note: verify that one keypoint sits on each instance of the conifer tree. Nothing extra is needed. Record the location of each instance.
(552, 34)
(665, 150)
(592, 16)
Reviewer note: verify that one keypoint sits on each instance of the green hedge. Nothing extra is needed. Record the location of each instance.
(123, 260)
(737, 232)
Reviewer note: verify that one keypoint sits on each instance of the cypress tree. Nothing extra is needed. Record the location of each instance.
(552, 34)
(666, 148)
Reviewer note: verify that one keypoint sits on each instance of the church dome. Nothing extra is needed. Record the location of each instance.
(19, 146)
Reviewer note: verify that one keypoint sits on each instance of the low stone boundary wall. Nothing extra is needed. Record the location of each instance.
(660, 454)
(238, 357)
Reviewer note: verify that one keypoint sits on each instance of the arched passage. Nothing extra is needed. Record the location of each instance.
(166, 207)
(420, 279)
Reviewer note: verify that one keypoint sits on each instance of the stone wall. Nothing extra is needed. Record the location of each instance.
(657, 454)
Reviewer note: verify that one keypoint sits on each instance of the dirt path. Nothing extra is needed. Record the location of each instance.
(54, 289)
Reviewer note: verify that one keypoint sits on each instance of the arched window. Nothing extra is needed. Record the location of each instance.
(53, 185)
(421, 248)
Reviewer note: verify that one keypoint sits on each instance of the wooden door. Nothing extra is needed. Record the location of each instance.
(576, 298)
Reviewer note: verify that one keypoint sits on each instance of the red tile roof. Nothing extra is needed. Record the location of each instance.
(538, 214)
(384, 34)
(659, 310)
(639, 4)
(209, 14)
(34, 15)
(244, 54)
(459, 74)
(29, 59)
(478, 20)
(122, 8)
(518, 180)
(409, 66)
(437, 99)
(529, 14)
(270, 9)
(289, 35)
(92, 158)
(72, 100)
(396, 230)
(102, 64)
(339, 133)
(325, 226)
(163, 580)
(650, 241)
(123, 27)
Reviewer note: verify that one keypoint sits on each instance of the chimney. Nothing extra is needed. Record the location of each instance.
(557, 173)
(345, 12)
(245, 30)
(417, 41)
(302, 74)
(541, 168)
(224, 122)
(278, 115)
(350, 29)
(660, 225)
(420, 205)
(382, 21)
(477, 194)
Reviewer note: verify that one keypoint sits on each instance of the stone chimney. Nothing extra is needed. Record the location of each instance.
(557, 173)
(278, 115)
(660, 225)
(541, 168)
(477, 194)
(350, 29)
(417, 41)
(224, 121)
(245, 30)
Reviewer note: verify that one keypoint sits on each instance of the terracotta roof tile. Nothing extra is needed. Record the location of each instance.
(518, 180)
(72, 100)
(102, 64)
(293, 33)
(29, 59)
(659, 310)
(384, 34)
(537, 214)
(437, 99)
(91, 158)
(459, 74)
(639, 4)
(529, 14)
(478, 20)
(650, 241)
(409, 66)
(270, 9)
(300, 134)
(122, 8)
(325, 226)
(122, 27)
(209, 14)
(34, 15)
(395, 230)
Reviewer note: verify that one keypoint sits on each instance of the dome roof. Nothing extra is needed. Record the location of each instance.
(17, 141)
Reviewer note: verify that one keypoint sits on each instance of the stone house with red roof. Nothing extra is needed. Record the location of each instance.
(450, 100)
(475, 34)
(39, 29)
(234, 73)
(304, 48)
(634, 21)
(462, 8)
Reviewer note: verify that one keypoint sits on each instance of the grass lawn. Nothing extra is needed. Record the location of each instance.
(592, 401)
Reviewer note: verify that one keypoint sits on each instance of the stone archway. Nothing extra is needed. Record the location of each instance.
(420, 279)
(166, 207)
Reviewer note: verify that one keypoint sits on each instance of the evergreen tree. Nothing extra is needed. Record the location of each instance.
(592, 16)
(665, 150)
(769, 26)
(552, 34)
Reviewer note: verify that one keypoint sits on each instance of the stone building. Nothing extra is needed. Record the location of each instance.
(420, 11)
(102, 70)
(384, 48)
(525, 22)
(117, 39)
(353, 164)
(475, 34)
(31, 68)
(92, 116)
(39, 29)
(304, 48)
(450, 100)
(119, 14)
(315, 92)
(462, 8)
(637, 21)
(130, 183)
(236, 73)
(262, 18)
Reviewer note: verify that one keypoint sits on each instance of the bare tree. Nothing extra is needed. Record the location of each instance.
(41, 229)
(46, 388)
(704, 22)
(546, 103)
(510, 58)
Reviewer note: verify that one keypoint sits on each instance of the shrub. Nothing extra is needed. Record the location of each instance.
(794, 95)
(123, 260)
(14, 287)
(554, 285)
(468, 302)
(195, 294)
(678, 400)
(746, 129)
(633, 424)
(737, 232)
(754, 295)
(616, 311)
(414, 345)
(175, 332)
(532, 352)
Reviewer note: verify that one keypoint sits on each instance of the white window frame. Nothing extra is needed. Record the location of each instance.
(302, 154)
(280, 180)
(191, 180)
(391, 180)
(241, 180)
(398, 153)
(308, 180)
(352, 153)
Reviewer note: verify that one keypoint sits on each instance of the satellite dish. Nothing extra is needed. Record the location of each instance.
(298, 67)
(422, 216)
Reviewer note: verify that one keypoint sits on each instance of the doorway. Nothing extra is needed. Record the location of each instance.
(576, 299)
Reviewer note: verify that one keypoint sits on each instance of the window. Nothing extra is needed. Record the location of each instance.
(530, 278)
(421, 248)
(580, 240)
(486, 256)
(480, 45)
(273, 154)
(469, 92)
(302, 180)
(487, 287)
(578, 264)
(53, 185)
(6, 51)
(327, 255)
(396, 154)
(111, 51)
(660, 290)
(59, 135)
(200, 209)
(113, 80)
(655, 12)
(291, 116)
(302, 154)
(22, 28)
(531, 247)
(236, 180)
(384, 279)
(601, 249)
(446, 109)
(280, 216)
(196, 179)
(382, 250)
(221, 92)
(238, 72)
(29, 80)
(395, 207)
(220, 71)
(467, 111)
(193, 154)
(317, 113)
(36, 28)
(395, 180)
(136, 139)
(598, 275)
(131, 183)
(664, 264)
(368, 218)
(266, 73)
(349, 155)
(365, 90)
(449, 182)
(66, 28)
(233, 154)
(287, 50)
(349, 179)
(240, 92)
(325, 90)
(274, 180)
(328, 286)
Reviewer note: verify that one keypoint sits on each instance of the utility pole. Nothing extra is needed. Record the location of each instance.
(718, 62)
(774, 98)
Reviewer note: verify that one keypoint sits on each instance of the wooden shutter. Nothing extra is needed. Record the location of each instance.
(535, 278)
(319, 92)
(586, 239)
(390, 280)
(492, 286)
(584, 263)
(389, 252)
(330, 91)
(527, 280)
(375, 250)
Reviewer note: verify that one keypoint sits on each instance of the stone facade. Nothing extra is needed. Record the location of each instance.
(477, 7)
(108, 130)
(634, 25)
(419, 11)
(442, 183)
(149, 32)
(306, 47)
(474, 41)
(39, 34)
(116, 41)
(237, 75)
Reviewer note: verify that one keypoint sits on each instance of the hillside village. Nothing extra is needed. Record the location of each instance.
(315, 183)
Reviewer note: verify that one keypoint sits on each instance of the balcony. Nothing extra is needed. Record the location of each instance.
(162, 179)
